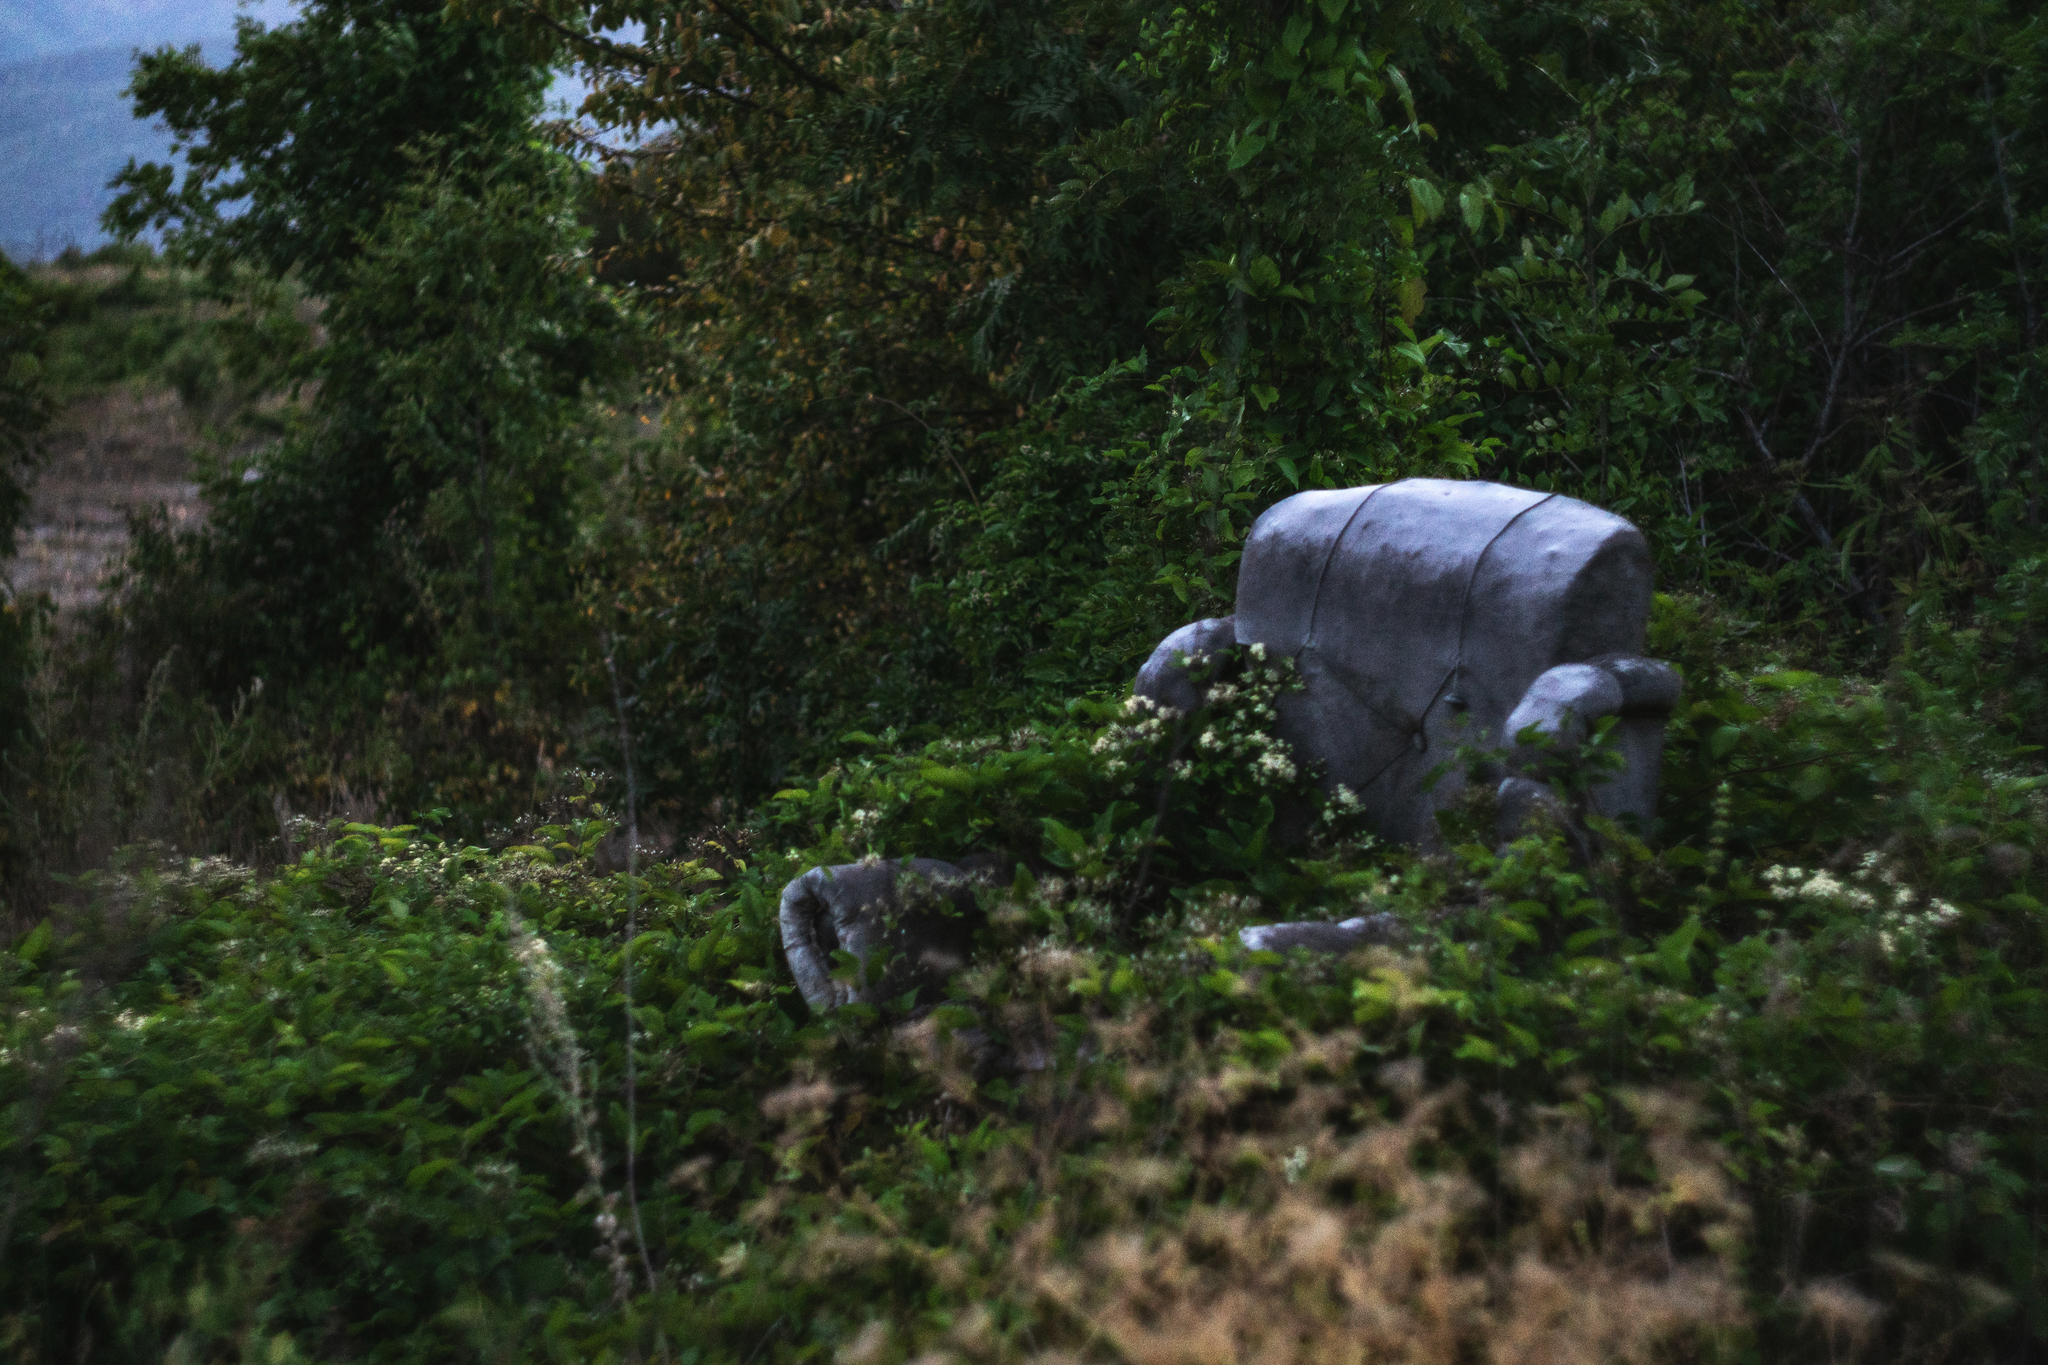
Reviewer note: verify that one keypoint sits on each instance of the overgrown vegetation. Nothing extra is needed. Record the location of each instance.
(831, 422)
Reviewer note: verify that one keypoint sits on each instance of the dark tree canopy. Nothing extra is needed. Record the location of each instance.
(296, 147)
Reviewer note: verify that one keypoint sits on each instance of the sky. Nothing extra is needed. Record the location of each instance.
(65, 129)
(50, 28)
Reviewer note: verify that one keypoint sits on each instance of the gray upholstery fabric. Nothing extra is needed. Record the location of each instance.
(921, 911)
(1164, 677)
(1432, 613)
(1323, 937)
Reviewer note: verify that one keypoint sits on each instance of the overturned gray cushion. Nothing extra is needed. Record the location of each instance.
(1321, 936)
(921, 911)
(1164, 678)
(1432, 613)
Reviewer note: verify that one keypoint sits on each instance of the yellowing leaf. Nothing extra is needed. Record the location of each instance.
(1412, 293)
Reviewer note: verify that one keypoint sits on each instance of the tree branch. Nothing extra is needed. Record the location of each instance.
(2012, 226)
(1858, 594)
(634, 57)
(810, 78)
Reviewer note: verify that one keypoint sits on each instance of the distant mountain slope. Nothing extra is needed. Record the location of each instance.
(50, 28)
(65, 128)
(64, 131)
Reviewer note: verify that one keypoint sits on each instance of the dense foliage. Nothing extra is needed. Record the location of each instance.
(791, 459)
(1773, 1085)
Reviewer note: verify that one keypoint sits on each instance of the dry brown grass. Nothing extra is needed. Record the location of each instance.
(1191, 1207)
(108, 455)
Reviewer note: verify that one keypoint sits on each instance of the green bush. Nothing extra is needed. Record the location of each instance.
(1781, 1070)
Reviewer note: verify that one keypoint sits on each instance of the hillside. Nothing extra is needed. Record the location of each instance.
(540, 547)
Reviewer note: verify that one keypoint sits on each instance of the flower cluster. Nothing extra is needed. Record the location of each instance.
(1344, 804)
(1242, 716)
(861, 825)
(1148, 727)
(1902, 921)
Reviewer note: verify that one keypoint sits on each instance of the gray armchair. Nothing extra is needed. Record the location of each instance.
(1431, 613)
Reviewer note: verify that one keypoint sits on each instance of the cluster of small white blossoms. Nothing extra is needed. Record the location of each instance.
(1242, 714)
(1344, 803)
(1146, 729)
(1902, 920)
(861, 824)
(1250, 704)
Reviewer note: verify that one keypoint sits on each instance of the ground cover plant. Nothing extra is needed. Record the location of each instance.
(1770, 1089)
(790, 462)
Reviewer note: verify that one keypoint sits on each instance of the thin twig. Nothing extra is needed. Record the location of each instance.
(1813, 522)
(634, 57)
(809, 78)
(945, 440)
(632, 928)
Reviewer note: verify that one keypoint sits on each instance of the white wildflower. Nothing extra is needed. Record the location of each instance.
(1275, 766)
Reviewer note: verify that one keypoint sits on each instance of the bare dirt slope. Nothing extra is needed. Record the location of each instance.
(110, 455)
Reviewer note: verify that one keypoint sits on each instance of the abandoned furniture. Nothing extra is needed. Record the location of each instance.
(1429, 614)
(1322, 936)
(907, 924)
(1423, 616)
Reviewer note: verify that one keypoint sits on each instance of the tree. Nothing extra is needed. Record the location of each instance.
(890, 235)
(24, 413)
(24, 405)
(426, 508)
(397, 568)
(295, 148)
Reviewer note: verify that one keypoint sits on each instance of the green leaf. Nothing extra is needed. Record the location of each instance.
(1477, 1049)
(1295, 34)
(1069, 846)
(1900, 1168)
(1265, 272)
(951, 779)
(1674, 952)
(1248, 146)
(1333, 10)
(184, 1204)
(1472, 208)
(1785, 680)
(1412, 293)
(1426, 200)
(32, 948)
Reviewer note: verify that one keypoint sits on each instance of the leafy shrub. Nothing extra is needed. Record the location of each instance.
(1770, 1083)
